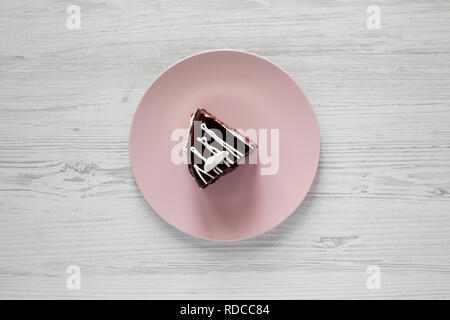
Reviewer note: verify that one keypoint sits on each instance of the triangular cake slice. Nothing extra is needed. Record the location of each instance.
(213, 148)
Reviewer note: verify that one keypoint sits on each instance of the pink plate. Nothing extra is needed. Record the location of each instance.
(246, 92)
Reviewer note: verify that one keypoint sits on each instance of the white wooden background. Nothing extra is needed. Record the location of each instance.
(381, 196)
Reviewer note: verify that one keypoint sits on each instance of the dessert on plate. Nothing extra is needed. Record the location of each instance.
(213, 148)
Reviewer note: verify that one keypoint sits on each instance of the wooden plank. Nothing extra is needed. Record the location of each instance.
(381, 197)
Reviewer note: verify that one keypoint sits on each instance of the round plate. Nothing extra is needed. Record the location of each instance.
(246, 92)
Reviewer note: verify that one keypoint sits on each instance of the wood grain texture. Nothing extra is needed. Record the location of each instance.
(381, 196)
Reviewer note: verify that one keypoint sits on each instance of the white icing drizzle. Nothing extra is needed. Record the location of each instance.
(191, 122)
(198, 154)
(214, 150)
(229, 148)
(196, 167)
(214, 160)
(239, 137)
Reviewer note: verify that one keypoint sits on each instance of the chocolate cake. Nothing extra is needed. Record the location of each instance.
(213, 148)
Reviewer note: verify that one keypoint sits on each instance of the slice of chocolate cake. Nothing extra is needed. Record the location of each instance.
(213, 148)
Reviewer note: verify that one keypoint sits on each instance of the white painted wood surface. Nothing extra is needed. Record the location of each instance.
(381, 196)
